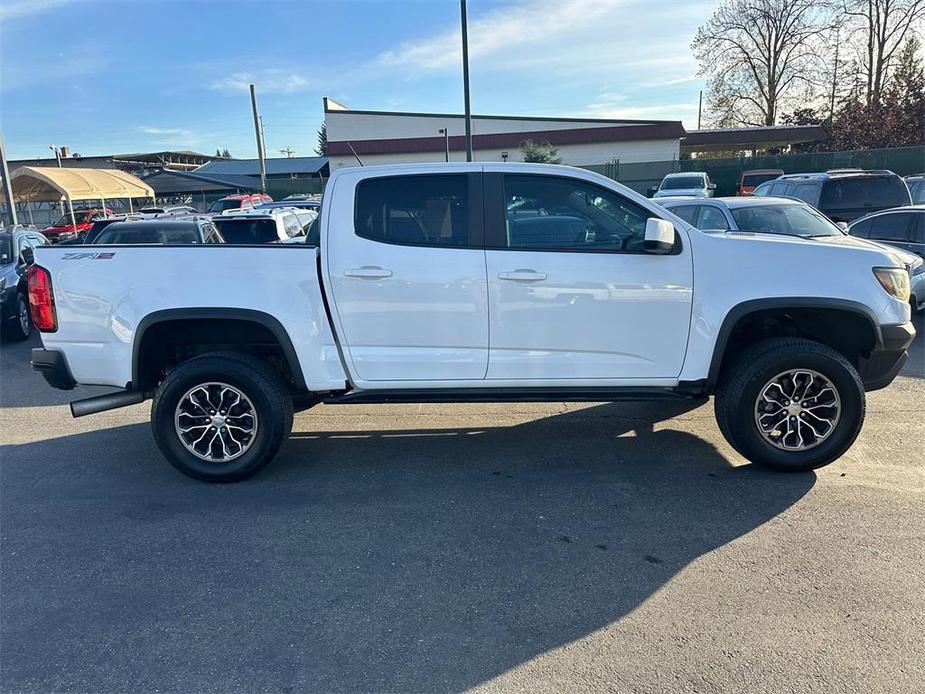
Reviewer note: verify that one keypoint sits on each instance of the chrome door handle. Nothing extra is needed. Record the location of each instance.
(368, 272)
(522, 276)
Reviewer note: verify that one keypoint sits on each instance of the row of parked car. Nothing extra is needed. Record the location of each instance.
(235, 219)
(873, 205)
(843, 194)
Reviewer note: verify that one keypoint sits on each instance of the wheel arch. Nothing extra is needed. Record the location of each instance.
(238, 315)
(790, 306)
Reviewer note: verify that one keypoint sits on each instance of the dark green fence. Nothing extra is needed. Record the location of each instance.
(724, 173)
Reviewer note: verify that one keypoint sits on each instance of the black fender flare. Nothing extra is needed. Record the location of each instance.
(739, 311)
(200, 313)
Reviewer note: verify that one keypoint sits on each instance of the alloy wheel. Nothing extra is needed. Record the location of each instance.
(797, 410)
(216, 422)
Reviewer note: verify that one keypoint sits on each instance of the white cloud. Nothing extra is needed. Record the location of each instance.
(23, 8)
(270, 81)
(170, 136)
(500, 31)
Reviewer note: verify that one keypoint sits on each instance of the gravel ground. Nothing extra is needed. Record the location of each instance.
(489, 547)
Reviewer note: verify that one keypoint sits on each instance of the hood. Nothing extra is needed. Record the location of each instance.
(878, 253)
(681, 193)
(900, 256)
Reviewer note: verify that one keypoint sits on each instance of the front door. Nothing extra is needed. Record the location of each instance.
(572, 294)
(407, 274)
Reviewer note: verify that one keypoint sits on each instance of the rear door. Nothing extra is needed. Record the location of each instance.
(573, 295)
(406, 270)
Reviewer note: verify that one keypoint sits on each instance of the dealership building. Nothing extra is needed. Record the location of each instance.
(386, 137)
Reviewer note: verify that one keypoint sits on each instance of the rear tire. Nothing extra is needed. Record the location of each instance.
(221, 417)
(19, 327)
(790, 404)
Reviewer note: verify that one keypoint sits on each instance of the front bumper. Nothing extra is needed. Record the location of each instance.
(885, 361)
(53, 367)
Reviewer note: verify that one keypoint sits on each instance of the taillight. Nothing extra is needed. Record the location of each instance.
(42, 299)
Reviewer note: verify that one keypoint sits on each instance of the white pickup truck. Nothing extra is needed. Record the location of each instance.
(479, 282)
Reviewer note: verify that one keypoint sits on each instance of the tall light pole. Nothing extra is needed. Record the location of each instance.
(465, 52)
(57, 152)
(7, 184)
(260, 154)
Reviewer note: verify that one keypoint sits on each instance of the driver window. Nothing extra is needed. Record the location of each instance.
(556, 213)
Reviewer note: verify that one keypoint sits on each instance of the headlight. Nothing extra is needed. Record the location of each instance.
(894, 280)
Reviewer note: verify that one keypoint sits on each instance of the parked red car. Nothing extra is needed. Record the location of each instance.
(63, 230)
(238, 202)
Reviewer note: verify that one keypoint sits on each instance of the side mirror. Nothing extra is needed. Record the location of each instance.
(659, 236)
(650, 191)
(28, 256)
(711, 186)
(843, 226)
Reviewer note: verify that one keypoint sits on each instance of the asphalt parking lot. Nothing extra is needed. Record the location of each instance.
(423, 548)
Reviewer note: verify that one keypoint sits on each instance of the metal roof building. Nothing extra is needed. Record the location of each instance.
(294, 167)
(169, 182)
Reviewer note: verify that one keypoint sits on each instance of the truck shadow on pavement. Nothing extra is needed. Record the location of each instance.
(402, 560)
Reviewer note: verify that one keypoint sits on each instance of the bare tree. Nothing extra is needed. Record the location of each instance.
(759, 55)
(885, 25)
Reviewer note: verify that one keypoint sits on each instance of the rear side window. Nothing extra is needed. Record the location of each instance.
(763, 190)
(414, 210)
(808, 192)
(861, 229)
(779, 188)
(890, 227)
(712, 219)
(686, 212)
(879, 192)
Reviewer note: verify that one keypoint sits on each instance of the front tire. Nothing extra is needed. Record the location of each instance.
(790, 404)
(221, 417)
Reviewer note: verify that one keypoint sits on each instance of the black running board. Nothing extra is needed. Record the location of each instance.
(454, 395)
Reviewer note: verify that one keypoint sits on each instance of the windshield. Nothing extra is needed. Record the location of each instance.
(6, 251)
(222, 205)
(758, 179)
(790, 220)
(248, 230)
(682, 182)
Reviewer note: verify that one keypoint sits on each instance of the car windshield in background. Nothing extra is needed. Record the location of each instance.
(682, 183)
(6, 251)
(871, 191)
(127, 233)
(789, 220)
(758, 179)
(248, 230)
(222, 205)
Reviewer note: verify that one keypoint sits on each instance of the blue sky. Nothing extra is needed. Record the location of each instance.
(141, 75)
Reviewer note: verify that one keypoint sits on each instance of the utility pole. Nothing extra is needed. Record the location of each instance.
(699, 109)
(465, 52)
(260, 153)
(7, 184)
(446, 138)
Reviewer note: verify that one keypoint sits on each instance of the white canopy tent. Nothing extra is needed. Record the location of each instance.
(53, 184)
